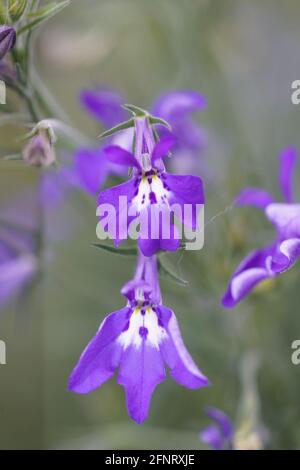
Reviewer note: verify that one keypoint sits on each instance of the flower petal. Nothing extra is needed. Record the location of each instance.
(288, 159)
(120, 156)
(287, 255)
(212, 436)
(163, 147)
(149, 247)
(157, 231)
(286, 217)
(254, 269)
(177, 104)
(15, 275)
(222, 420)
(254, 197)
(185, 190)
(91, 168)
(101, 356)
(112, 197)
(182, 367)
(140, 372)
(105, 105)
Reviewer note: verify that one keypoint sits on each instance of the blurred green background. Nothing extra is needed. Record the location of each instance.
(243, 56)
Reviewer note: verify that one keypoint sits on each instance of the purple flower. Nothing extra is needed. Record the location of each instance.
(138, 340)
(105, 105)
(18, 260)
(92, 169)
(152, 193)
(91, 166)
(176, 108)
(16, 272)
(283, 252)
(39, 151)
(7, 39)
(219, 436)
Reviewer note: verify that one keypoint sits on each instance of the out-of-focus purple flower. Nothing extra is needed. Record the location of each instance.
(7, 39)
(16, 271)
(18, 244)
(219, 436)
(151, 192)
(138, 340)
(91, 165)
(39, 151)
(283, 252)
(176, 107)
(105, 105)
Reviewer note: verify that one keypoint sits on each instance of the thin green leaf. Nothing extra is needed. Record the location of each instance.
(155, 120)
(135, 110)
(165, 271)
(42, 15)
(118, 128)
(117, 251)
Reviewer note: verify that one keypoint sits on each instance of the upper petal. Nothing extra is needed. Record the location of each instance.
(176, 104)
(120, 156)
(286, 217)
(105, 105)
(101, 356)
(288, 159)
(163, 147)
(254, 269)
(182, 367)
(254, 197)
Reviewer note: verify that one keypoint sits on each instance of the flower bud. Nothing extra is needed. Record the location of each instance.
(16, 9)
(40, 151)
(7, 39)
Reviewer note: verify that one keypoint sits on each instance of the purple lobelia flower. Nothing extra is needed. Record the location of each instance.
(7, 39)
(219, 436)
(138, 340)
(282, 253)
(152, 195)
(105, 105)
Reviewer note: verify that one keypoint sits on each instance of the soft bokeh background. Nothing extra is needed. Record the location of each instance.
(243, 56)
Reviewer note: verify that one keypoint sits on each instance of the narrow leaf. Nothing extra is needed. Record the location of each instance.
(118, 128)
(42, 15)
(117, 251)
(136, 110)
(155, 120)
(164, 270)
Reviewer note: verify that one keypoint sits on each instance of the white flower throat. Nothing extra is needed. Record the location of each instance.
(143, 326)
